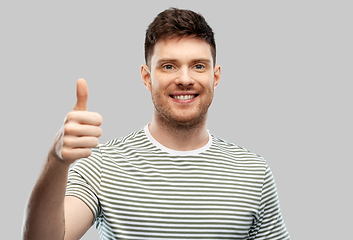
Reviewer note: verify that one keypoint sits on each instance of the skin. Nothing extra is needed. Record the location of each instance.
(178, 67)
(181, 67)
(51, 215)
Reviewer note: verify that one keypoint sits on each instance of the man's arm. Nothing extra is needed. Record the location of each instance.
(78, 218)
(269, 221)
(51, 215)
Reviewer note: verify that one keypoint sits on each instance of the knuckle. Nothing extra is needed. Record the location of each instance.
(70, 116)
(69, 129)
(65, 153)
(67, 141)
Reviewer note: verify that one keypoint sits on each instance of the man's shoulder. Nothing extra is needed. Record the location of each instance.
(233, 150)
(133, 138)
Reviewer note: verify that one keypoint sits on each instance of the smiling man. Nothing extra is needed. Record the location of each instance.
(172, 179)
(181, 77)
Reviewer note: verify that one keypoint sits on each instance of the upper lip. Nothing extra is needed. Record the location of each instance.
(183, 93)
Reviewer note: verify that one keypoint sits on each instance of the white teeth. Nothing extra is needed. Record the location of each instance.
(183, 97)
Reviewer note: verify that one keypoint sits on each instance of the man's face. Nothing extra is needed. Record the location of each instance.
(182, 80)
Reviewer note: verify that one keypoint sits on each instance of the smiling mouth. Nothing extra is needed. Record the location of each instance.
(183, 97)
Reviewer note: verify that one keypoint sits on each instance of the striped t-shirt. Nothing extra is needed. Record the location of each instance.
(139, 189)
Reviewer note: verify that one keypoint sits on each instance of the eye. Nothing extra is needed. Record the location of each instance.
(199, 67)
(168, 67)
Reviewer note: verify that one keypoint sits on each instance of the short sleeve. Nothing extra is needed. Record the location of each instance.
(268, 223)
(84, 181)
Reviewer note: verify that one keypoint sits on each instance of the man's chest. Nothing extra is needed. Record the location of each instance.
(182, 197)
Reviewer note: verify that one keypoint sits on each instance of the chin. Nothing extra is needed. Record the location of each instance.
(187, 122)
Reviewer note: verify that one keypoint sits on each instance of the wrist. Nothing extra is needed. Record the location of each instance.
(54, 160)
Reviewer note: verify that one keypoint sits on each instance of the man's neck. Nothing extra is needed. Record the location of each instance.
(179, 138)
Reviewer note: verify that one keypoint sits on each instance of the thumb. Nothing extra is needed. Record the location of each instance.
(82, 95)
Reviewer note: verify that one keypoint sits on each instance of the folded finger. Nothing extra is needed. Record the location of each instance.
(72, 142)
(75, 129)
(83, 117)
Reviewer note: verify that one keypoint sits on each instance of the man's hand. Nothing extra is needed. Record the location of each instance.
(80, 131)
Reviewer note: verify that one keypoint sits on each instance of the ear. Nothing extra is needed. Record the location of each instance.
(146, 76)
(217, 75)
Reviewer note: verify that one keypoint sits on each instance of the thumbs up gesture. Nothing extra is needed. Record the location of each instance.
(80, 131)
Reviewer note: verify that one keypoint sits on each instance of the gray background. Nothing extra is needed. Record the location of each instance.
(285, 93)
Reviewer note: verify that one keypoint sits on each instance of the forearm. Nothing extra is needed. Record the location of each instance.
(45, 212)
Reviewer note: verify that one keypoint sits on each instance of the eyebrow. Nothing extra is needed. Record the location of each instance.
(163, 60)
(203, 60)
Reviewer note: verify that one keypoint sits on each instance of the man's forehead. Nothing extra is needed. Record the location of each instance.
(182, 48)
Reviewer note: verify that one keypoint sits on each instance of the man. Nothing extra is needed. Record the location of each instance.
(170, 180)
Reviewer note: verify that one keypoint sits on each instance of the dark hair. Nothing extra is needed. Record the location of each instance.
(181, 23)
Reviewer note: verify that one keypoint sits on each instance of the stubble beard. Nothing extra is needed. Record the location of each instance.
(176, 121)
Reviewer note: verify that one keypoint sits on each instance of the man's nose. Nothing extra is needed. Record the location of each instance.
(184, 77)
